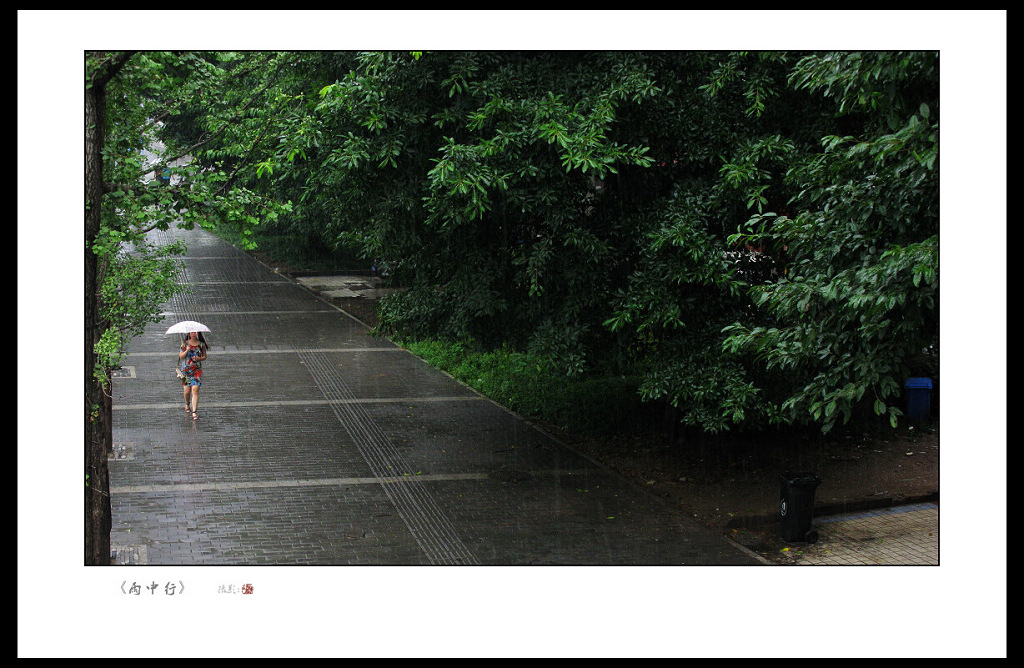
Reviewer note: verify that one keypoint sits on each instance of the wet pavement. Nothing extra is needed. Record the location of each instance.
(319, 444)
(895, 536)
(906, 534)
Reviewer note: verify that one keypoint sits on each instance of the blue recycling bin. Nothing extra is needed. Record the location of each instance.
(919, 398)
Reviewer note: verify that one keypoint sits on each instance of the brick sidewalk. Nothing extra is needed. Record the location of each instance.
(319, 444)
(896, 536)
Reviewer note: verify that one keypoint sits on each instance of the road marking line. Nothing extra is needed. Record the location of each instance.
(310, 482)
(299, 402)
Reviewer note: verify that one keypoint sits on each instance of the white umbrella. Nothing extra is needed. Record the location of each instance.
(186, 326)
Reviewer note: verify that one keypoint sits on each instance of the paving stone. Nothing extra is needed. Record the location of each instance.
(320, 444)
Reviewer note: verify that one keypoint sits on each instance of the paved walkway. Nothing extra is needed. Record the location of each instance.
(319, 444)
(897, 536)
(906, 535)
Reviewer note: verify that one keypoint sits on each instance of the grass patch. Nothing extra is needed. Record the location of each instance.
(526, 385)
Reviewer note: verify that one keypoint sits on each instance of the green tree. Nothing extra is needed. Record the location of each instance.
(728, 151)
(857, 308)
(609, 211)
(128, 96)
(499, 187)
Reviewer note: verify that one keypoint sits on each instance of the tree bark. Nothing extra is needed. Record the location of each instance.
(98, 404)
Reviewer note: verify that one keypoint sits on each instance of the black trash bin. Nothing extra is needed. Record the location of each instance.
(796, 507)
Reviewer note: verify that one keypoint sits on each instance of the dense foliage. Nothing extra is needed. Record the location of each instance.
(859, 307)
(150, 92)
(754, 235)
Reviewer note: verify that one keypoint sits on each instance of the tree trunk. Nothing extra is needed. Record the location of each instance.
(98, 404)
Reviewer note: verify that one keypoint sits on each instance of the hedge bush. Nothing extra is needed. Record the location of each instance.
(528, 385)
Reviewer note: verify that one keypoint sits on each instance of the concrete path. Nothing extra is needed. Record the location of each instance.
(319, 444)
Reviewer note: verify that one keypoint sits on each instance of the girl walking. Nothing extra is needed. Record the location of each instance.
(192, 353)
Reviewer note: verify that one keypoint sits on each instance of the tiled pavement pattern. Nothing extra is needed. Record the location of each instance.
(319, 444)
(902, 535)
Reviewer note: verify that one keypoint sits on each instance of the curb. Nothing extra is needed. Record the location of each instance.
(842, 508)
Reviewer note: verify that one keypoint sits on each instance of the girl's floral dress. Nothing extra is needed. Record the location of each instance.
(190, 366)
